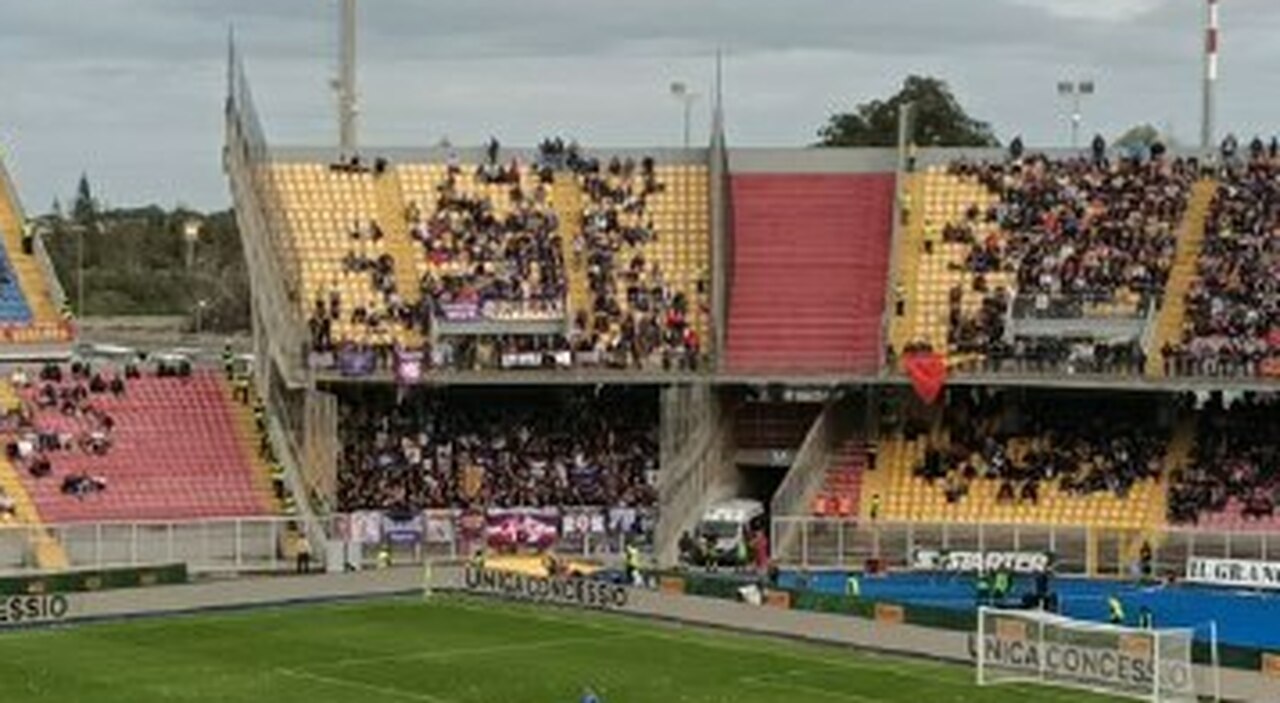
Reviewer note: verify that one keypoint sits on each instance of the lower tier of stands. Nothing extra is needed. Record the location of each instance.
(162, 449)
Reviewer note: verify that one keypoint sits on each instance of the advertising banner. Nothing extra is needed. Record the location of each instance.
(1245, 573)
(580, 592)
(538, 528)
(974, 561)
(403, 528)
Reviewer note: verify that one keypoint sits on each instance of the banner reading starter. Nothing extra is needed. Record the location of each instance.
(963, 561)
(1244, 573)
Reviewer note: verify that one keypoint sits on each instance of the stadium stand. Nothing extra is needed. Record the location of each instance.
(151, 448)
(1049, 462)
(502, 448)
(1232, 481)
(810, 259)
(618, 250)
(1082, 238)
(28, 311)
(1232, 325)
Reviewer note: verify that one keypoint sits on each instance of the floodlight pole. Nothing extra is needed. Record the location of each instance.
(345, 83)
(1210, 75)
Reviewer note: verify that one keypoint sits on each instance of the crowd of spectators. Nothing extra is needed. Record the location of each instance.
(501, 449)
(484, 253)
(1233, 308)
(1084, 236)
(1082, 448)
(35, 445)
(636, 316)
(1236, 461)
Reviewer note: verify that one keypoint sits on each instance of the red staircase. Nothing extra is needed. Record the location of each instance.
(842, 488)
(811, 258)
(176, 455)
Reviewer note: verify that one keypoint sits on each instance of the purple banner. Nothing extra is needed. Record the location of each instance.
(406, 528)
(408, 366)
(512, 529)
(460, 311)
(356, 362)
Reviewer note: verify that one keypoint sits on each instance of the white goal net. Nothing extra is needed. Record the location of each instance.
(1032, 646)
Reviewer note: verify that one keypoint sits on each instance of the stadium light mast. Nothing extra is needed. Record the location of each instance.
(1075, 91)
(680, 91)
(345, 84)
(1210, 74)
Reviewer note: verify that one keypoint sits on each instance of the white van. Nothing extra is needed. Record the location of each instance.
(727, 525)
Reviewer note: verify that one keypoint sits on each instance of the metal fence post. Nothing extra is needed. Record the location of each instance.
(97, 545)
(840, 525)
(239, 551)
(169, 547)
(804, 544)
(133, 544)
(275, 545)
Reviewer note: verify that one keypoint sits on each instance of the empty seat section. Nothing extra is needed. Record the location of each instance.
(810, 257)
(176, 455)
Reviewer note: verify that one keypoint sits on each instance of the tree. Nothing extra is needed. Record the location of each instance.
(1139, 137)
(84, 209)
(937, 120)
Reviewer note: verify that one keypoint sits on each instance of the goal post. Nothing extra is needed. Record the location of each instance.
(1032, 646)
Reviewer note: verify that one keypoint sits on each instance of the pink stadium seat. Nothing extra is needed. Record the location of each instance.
(810, 257)
(176, 456)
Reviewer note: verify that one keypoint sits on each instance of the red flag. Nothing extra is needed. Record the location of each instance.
(928, 372)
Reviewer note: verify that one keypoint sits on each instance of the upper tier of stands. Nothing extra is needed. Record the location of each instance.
(612, 252)
(810, 258)
(28, 311)
(1038, 238)
(159, 449)
(1232, 325)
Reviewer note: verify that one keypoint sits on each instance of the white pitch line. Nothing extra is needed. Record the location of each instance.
(494, 649)
(362, 686)
(885, 665)
(813, 690)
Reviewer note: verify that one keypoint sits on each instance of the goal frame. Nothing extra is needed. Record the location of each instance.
(1041, 618)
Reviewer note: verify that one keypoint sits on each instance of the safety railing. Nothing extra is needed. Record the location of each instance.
(846, 543)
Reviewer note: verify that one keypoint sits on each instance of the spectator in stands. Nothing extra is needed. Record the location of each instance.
(1233, 307)
(1081, 237)
(597, 451)
(1235, 466)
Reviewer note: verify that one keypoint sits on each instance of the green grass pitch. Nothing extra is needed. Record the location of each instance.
(456, 650)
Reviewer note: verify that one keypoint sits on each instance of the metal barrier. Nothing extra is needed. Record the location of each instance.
(843, 543)
(263, 544)
(219, 545)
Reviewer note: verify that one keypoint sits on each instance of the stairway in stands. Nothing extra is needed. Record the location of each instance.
(810, 257)
(176, 456)
(841, 492)
(391, 204)
(910, 247)
(566, 197)
(48, 552)
(1190, 241)
(45, 319)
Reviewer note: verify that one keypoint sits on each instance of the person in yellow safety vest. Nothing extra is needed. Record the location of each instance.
(384, 557)
(477, 559)
(633, 565)
(852, 587)
(1116, 608)
(875, 506)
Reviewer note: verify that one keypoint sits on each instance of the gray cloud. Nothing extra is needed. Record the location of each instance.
(130, 90)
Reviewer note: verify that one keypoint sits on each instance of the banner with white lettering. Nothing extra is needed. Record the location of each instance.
(1245, 573)
(973, 561)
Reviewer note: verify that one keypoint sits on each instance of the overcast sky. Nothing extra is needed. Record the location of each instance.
(130, 91)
